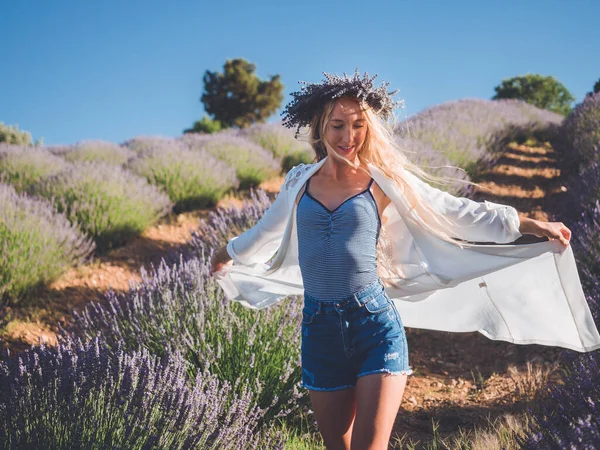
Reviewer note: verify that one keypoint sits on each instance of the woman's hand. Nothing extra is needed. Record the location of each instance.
(219, 260)
(551, 230)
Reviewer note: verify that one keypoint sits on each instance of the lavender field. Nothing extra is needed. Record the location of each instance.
(171, 363)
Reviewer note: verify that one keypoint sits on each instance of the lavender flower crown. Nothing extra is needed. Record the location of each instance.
(313, 96)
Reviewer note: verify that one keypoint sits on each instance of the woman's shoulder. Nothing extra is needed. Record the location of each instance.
(295, 173)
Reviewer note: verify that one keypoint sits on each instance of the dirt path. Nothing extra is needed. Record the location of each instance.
(459, 380)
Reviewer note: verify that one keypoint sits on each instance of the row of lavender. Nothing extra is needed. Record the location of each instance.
(58, 204)
(173, 356)
(232, 373)
(471, 133)
(569, 418)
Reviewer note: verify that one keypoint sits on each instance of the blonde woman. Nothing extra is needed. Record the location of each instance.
(338, 241)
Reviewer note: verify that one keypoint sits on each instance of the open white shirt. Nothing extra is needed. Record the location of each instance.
(525, 294)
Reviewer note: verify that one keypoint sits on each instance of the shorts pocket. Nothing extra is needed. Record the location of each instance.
(378, 304)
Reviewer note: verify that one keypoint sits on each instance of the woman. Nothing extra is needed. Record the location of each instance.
(326, 222)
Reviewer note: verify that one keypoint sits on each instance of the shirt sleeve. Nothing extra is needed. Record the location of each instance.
(259, 243)
(471, 221)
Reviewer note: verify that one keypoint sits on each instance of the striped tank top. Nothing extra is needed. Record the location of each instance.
(337, 250)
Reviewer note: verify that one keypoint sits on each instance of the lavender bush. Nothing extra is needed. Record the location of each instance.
(435, 162)
(142, 144)
(582, 194)
(280, 141)
(252, 163)
(182, 309)
(191, 179)
(224, 223)
(22, 166)
(88, 396)
(107, 202)
(569, 418)
(467, 130)
(580, 135)
(586, 246)
(36, 244)
(99, 151)
(299, 157)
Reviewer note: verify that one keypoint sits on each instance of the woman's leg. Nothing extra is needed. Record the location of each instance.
(378, 398)
(335, 411)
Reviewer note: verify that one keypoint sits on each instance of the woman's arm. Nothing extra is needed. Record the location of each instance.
(485, 221)
(218, 260)
(551, 230)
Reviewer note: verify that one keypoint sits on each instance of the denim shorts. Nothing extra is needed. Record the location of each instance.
(343, 340)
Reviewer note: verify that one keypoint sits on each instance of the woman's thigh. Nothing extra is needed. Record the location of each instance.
(378, 399)
(335, 411)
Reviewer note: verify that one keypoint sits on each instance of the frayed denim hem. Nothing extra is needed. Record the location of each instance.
(339, 388)
(400, 372)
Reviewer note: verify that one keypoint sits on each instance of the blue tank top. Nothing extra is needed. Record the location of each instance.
(337, 250)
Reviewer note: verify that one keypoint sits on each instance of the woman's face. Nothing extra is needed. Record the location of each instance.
(347, 128)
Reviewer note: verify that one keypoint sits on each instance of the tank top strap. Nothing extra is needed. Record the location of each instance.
(370, 183)
(305, 192)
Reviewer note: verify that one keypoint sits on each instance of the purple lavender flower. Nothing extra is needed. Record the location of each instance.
(108, 202)
(276, 138)
(23, 166)
(580, 135)
(141, 144)
(38, 244)
(180, 308)
(224, 223)
(86, 395)
(191, 179)
(469, 131)
(99, 151)
(435, 162)
(569, 417)
(252, 163)
(583, 191)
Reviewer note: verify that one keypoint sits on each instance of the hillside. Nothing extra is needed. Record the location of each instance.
(459, 380)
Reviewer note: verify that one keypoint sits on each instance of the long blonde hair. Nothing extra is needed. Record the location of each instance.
(382, 150)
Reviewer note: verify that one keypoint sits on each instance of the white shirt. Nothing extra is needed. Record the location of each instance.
(525, 294)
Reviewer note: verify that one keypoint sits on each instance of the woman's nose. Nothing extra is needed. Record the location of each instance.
(348, 134)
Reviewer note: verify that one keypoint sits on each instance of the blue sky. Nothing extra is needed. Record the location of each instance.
(112, 70)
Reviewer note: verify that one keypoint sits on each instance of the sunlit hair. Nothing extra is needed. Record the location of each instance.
(381, 149)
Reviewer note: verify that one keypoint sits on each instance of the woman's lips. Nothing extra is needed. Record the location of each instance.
(345, 149)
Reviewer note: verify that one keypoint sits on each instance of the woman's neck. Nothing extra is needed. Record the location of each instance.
(336, 170)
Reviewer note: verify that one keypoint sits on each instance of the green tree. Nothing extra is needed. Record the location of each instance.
(596, 89)
(543, 92)
(205, 125)
(12, 135)
(237, 97)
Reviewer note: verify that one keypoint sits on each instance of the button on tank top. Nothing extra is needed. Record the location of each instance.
(337, 250)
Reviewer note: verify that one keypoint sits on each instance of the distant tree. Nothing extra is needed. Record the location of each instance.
(237, 97)
(596, 89)
(205, 125)
(543, 92)
(12, 135)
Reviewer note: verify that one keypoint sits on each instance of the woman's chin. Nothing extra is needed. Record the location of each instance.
(349, 155)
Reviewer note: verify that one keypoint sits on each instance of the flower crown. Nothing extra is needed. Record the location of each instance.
(313, 96)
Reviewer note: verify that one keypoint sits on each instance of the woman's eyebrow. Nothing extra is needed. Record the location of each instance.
(340, 120)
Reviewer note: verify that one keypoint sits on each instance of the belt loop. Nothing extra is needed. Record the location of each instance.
(357, 300)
